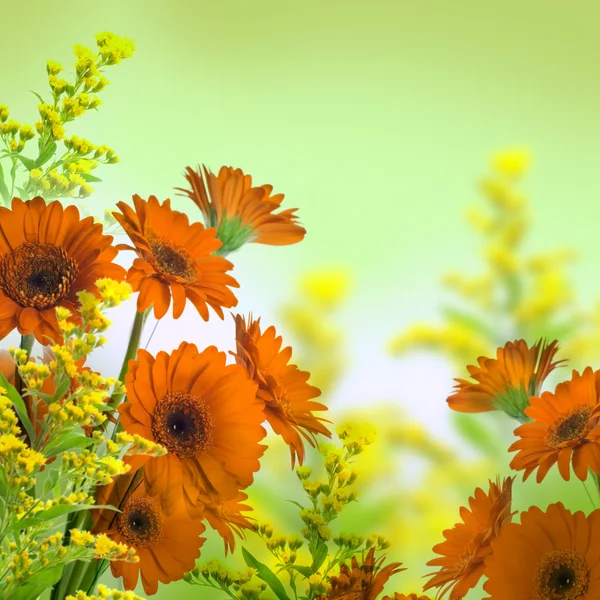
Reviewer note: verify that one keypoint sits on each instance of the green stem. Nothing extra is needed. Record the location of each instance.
(597, 481)
(131, 352)
(27, 342)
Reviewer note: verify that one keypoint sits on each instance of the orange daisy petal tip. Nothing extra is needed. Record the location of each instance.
(564, 430)
(175, 260)
(239, 211)
(206, 414)
(224, 515)
(364, 580)
(47, 255)
(288, 397)
(547, 555)
(506, 382)
(462, 554)
(167, 545)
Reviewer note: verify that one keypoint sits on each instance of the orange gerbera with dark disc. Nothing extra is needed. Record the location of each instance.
(552, 555)
(506, 382)
(47, 255)
(175, 260)
(205, 413)
(361, 581)
(468, 543)
(167, 545)
(283, 387)
(241, 212)
(225, 516)
(565, 429)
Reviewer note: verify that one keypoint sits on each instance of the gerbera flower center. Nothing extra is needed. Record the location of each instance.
(562, 575)
(183, 424)
(140, 523)
(37, 275)
(171, 260)
(570, 427)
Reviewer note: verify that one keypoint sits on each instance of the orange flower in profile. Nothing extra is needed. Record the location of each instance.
(549, 555)
(565, 429)
(174, 260)
(225, 516)
(167, 545)
(48, 255)
(240, 212)
(468, 543)
(283, 387)
(506, 382)
(361, 581)
(205, 413)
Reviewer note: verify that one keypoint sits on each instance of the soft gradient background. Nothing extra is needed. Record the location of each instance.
(375, 119)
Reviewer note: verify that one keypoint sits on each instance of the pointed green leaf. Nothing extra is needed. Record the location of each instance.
(266, 575)
(19, 405)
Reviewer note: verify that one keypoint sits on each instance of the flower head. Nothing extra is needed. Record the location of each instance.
(548, 555)
(361, 581)
(205, 413)
(240, 212)
(565, 429)
(174, 260)
(167, 545)
(288, 397)
(47, 256)
(506, 382)
(468, 543)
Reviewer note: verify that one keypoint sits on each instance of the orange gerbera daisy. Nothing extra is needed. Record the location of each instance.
(361, 581)
(468, 543)
(174, 260)
(48, 255)
(242, 213)
(225, 516)
(565, 429)
(167, 545)
(205, 413)
(549, 555)
(506, 382)
(283, 387)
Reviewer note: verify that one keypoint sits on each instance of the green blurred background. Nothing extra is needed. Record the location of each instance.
(376, 120)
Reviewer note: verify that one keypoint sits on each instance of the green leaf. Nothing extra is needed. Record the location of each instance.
(61, 390)
(67, 441)
(19, 405)
(91, 178)
(3, 189)
(305, 571)
(59, 510)
(266, 575)
(25, 523)
(28, 163)
(46, 155)
(38, 583)
(38, 97)
(51, 479)
(320, 557)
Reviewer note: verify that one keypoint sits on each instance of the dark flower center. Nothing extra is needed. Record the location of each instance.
(571, 427)
(37, 275)
(562, 575)
(140, 522)
(183, 424)
(171, 260)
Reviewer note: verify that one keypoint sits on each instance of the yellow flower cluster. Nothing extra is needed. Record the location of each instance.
(105, 594)
(64, 175)
(214, 574)
(91, 468)
(102, 546)
(311, 319)
(8, 418)
(19, 462)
